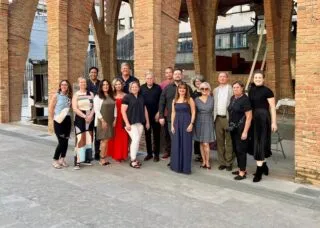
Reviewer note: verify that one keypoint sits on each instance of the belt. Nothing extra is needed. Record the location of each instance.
(221, 116)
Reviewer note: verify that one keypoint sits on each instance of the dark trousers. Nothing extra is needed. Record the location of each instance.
(62, 131)
(196, 148)
(96, 143)
(167, 136)
(240, 148)
(155, 131)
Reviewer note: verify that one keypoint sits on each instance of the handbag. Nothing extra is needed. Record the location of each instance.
(61, 116)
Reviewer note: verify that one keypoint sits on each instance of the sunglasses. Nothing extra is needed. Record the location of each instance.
(204, 89)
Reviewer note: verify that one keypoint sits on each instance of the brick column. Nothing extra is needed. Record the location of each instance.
(307, 141)
(285, 80)
(21, 16)
(203, 18)
(4, 71)
(57, 43)
(57, 46)
(147, 39)
(79, 15)
(272, 18)
(169, 34)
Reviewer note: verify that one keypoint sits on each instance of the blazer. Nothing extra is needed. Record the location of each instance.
(215, 94)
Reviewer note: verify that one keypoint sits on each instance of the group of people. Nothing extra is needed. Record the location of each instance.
(115, 115)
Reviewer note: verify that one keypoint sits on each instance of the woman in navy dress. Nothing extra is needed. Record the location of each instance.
(182, 119)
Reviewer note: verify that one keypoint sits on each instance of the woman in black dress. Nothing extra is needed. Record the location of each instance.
(240, 116)
(198, 79)
(264, 121)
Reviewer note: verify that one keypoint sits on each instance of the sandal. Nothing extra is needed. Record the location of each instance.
(77, 166)
(103, 162)
(56, 165)
(203, 166)
(64, 164)
(134, 164)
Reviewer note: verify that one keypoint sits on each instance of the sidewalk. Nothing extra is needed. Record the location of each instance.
(33, 194)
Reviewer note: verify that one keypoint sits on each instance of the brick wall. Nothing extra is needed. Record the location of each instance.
(4, 74)
(307, 137)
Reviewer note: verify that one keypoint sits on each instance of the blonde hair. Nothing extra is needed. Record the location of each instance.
(81, 78)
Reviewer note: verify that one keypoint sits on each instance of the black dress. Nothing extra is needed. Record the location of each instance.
(260, 131)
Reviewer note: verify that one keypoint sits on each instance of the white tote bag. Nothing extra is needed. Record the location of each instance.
(62, 115)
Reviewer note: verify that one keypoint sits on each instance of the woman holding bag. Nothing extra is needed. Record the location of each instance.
(82, 104)
(59, 111)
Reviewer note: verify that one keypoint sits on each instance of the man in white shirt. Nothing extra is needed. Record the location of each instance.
(222, 95)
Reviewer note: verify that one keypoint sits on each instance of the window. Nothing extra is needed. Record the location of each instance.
(121, 24)
(242, 40)
(131, 22)
(223, 41)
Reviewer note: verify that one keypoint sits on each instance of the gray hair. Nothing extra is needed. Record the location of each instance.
(149, 72)
(125, 64)
(132, 83)
(205, 85)
(224, 72)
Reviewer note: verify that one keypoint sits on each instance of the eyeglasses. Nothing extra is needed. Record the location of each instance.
(204, 89)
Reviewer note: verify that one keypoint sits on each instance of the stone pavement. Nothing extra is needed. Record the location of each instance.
(33, 194)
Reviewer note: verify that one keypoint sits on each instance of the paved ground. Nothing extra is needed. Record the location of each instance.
(33, 194)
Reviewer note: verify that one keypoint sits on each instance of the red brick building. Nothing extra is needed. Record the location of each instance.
(156, 33)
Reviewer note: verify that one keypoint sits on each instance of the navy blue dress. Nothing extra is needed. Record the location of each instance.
(181, 147)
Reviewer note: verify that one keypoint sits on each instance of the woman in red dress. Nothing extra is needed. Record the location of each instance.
(118, 145)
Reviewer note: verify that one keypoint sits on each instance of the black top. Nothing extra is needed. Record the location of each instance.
(238, 107)
(166, 98)
(93, 87)
(135, 111)
(196, 94)
(127, 82)
(151, 98)
(259, 95)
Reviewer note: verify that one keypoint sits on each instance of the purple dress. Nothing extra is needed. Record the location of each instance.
(181, 147)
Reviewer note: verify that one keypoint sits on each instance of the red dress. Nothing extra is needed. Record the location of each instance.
(118, 145)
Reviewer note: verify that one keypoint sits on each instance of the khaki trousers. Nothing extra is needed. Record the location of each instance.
(224, 143)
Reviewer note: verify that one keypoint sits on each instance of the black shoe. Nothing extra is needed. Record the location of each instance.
(148, 157)
(238, 177)
(258, 175)
(156, 159)
(222, 167)
(229, 168)
(237, 172)
(203, 166)
(265, 169)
